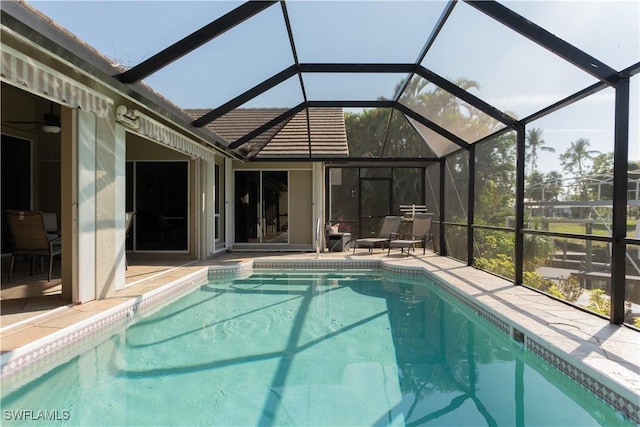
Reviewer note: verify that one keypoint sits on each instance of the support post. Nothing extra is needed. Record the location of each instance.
(520, 176)
(443, 243)
(471, 203)
(619, 226)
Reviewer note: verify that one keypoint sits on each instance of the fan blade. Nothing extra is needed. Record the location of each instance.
(20, 122)
(51, 119)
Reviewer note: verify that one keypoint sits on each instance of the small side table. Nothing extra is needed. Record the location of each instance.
(338, 242)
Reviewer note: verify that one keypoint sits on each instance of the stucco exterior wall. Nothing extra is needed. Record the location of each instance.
(300, 205)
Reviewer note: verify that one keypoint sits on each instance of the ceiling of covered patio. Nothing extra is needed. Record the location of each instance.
(422, 79)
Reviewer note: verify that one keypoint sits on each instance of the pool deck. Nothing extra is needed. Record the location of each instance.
(610, 353)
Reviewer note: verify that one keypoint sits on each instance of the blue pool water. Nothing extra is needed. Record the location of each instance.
(304, 349)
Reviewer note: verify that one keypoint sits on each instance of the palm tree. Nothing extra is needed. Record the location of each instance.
(534, 142)
(553, 185)
(573, 160)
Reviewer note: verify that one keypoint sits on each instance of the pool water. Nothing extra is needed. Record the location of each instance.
(304, 348)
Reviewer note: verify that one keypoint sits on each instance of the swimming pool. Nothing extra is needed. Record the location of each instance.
(309, 348)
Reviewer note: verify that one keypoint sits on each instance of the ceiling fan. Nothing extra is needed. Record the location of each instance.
(50, 122)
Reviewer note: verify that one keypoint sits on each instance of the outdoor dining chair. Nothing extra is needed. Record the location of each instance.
(51, 224)
(30, 238)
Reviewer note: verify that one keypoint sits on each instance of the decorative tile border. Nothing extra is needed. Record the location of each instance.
(604, 392)
(607, 394)
(491, 317)
(579, 375)
(314, 264)
(412, 272)
(30, 361)
(25, 363)
(613, 398)
(230, 270)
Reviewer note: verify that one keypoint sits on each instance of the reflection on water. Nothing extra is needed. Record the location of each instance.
(454, 366)
(302, 348)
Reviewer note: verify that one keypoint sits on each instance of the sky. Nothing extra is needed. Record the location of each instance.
(512, 73)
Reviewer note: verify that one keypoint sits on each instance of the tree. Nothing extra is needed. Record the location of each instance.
(602, 164)
(449, 111)
(544, 188)
(495, 179)
(536, 188)
(575, 157)
(553, 185)
(365, 131)
(534, 142)
(574, 161)
(602, 173)
(495, 158)
(374, 133)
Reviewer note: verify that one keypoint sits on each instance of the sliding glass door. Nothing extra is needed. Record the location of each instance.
(261, 207)
(15, 179)
(159, 194)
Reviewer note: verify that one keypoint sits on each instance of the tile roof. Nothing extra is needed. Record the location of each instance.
(289, 139)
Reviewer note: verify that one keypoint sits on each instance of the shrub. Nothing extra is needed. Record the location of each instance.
(570, 288)
(599, 303)
(537, 249)
(502, 265)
